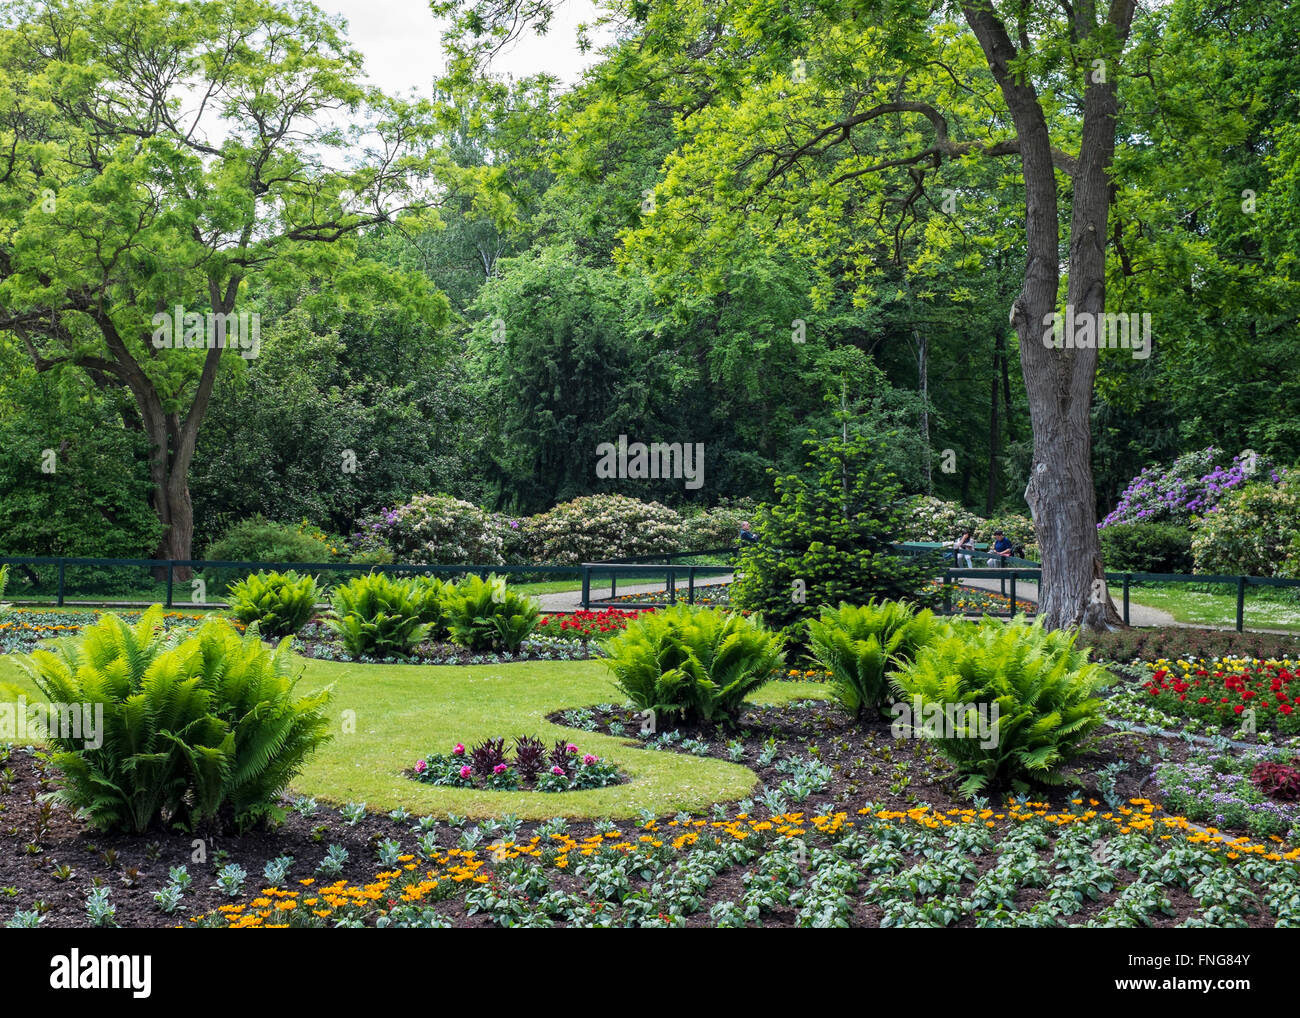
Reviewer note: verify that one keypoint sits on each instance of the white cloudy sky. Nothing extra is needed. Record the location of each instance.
(400, 41)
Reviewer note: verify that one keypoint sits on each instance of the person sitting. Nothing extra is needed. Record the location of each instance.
(745, 533)
(1001, 549)
(964, 543)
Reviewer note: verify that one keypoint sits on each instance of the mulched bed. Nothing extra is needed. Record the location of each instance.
(867, 764)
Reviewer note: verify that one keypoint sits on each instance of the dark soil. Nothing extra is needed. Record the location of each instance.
(869, 765)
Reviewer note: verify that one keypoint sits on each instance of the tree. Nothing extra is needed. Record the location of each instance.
(828, 536)
(796, 129)
(159, 156)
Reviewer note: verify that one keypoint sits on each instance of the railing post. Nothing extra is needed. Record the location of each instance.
(672, 586)
(690, 586)
(613, 585)
(947, 592)
(60, 582)
(1241, 603)
(586, 586)
(170, 571)
(1126, 579)
(1013, 593)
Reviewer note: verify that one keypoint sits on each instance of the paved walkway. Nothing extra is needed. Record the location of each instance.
(1139, 614)
(571, 600)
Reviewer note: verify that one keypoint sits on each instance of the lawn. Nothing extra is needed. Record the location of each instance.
(391, 715)
(1265, 609)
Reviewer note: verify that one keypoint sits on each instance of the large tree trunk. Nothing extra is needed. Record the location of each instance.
(1059, 382)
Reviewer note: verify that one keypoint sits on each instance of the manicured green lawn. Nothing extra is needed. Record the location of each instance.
(402, 712)
(1202, 609)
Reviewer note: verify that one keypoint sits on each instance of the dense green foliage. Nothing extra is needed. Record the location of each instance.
(858, 645)
(378, 616)
(279, 603)
(1147, 548)
(829, 537)
(191, 728)
(693, 664)
(1043, 688)
(485, 614)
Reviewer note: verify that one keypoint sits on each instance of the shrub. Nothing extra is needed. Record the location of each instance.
(718, 527)
(858, 645)
(434, 530)
(595, 528)
(1041, 686)
(191, 726)
(1251, 532)
(829, 538)
(280, 603)
(933, 519)
(1147, 548)
(485, 614)
(377, 616)
(699, 664)
(258, 539)
(1174, 643)
(1194, 484)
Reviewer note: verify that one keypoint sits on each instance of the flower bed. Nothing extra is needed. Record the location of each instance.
(22, 629)
(1225, 790)
(1230, 692)
(488, 765)
(582, 626)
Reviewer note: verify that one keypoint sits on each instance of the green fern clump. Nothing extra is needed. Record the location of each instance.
(486, 614)
(191, 725)
(859, 645)
(378, 616)
(280, 603)
(697, 663)
(1043, 687)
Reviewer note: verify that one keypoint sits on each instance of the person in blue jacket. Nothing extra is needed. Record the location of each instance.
(745, 533)
(1001, 548)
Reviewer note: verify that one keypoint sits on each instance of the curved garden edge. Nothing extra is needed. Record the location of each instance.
(404, 711)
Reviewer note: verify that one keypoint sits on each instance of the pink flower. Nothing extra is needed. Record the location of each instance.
(499, 769)
(459, 750)
(558, 771)
(571, 748)
(589, 759)
(421, 766)
(465, 772)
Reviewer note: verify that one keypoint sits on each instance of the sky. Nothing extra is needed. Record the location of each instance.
(400, 42)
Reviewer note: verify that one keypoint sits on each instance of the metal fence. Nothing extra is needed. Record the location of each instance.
(134, 582)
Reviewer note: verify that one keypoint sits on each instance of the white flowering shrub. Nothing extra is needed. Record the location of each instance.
(436, 530)
(1253, 532)
(932, 519)
(599, 527)
(718, 527)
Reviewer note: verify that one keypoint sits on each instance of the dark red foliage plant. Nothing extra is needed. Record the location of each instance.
(1277, 780)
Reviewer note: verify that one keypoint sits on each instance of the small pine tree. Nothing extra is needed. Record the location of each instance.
(829, 537)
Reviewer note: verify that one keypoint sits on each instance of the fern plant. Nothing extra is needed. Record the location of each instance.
(279, 603)
(697, 663)
(377, 616)
(859, 645)
(190, 725)
(1042, 687)
(486, 614)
